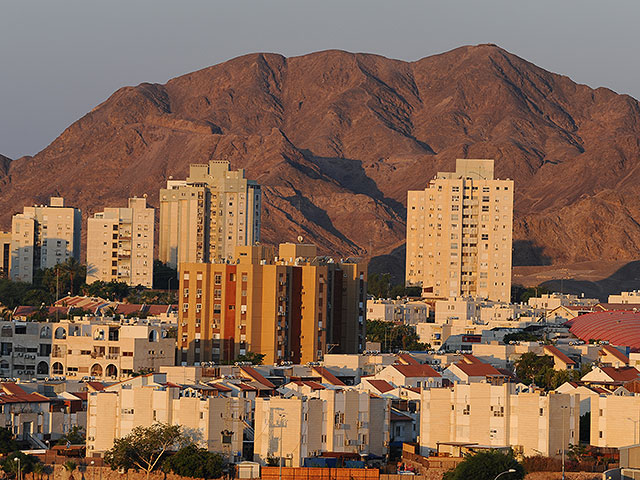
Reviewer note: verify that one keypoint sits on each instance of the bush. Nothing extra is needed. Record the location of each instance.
(193, 461)
(486, 466)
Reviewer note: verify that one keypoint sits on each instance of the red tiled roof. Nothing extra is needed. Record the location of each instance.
(554, 351)
(220, 387)
(244, 386)
(23, 398)
(615, 352)
(407, 359)
(81, 395)
(308, 383)
(129, 308)
(622, 374)
(478, 369)
(13, 388)
(96, 386)
(158, 309)
(253, 374)
(23, 310)
(416, 371)
(619, 306)
(381, 385)
(468, 358)
(328, 376)
(399, 417)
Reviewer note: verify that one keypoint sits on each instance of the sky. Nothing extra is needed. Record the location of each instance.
(59, 59)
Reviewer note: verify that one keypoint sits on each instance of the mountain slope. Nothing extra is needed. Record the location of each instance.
(338, 138)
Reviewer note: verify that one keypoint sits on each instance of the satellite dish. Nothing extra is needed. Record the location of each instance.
(300, 239)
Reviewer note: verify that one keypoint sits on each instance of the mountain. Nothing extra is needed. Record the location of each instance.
(338, 138)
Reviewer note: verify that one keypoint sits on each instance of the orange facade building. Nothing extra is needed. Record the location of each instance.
(295, 306)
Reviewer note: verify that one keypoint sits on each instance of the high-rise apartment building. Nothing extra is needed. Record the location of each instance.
(43, 236)
(459, 234)
(5, 253)
(203, 218)
(293, 307)
(120, 244)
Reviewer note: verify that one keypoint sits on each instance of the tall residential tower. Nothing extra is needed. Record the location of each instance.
(459, 234)
(203, 218)
(43, 236)
(120, 244)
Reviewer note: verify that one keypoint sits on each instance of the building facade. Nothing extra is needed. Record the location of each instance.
(459, 234)
(5, 253)
(42, 237)
(25, 349)
(294, 307)
(120, 244)
(142, 401)
(109, 350)
(203, 218)
(496, 415)
(336, 420)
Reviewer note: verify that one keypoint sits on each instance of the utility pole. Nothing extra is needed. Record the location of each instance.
(563, 429)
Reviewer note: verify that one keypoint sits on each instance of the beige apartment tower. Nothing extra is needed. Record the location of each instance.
(203, 218)
(459, 234)
(42, 237)
(120, 244)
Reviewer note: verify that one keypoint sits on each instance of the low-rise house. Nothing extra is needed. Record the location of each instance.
(612, 357)
(561, 360)
(421, 376)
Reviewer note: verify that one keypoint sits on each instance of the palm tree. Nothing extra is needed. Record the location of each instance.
(37, 469)
(70, 466)
(73, 269)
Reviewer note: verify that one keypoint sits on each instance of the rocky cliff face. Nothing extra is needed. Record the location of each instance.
(338, 138)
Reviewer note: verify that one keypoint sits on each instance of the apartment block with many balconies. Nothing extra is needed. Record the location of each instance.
(203, 218)
(120, 244)
(459, 234)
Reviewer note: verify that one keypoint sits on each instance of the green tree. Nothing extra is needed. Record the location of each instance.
(70, 467)
(585, 427)
(486, 466)
(76, 436)
(10, 466)
(164, 277)
(531, 368)
(193, 461)
(7, 443)
(144, 447)
(394, 336)
(252, 357)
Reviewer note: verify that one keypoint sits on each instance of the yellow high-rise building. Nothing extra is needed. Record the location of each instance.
(459, 234)
(293, 307)
(203, 218)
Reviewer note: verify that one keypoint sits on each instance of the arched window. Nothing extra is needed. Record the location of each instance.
(43, 368)
(153, 336)
(45, 332)
(96, 370)
(57, 369)
(61, 332)
(112, 371)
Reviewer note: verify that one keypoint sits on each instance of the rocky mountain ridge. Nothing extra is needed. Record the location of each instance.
(337, 139)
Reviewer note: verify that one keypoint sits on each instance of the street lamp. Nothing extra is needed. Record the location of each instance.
(511, 470)
(93, 471)
(17, 459)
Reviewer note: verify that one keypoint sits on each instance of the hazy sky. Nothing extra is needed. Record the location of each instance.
(59, 59)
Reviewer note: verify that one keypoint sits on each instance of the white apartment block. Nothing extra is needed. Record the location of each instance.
(459, 234)
(109, 350)
(551, 301)
(25, 349)
(615, 420)
(329, 420)
(142, 401)
(203, 218)
(408, 313)
(120, 244)
(42, 237)
(530, 423)
(626, 297)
